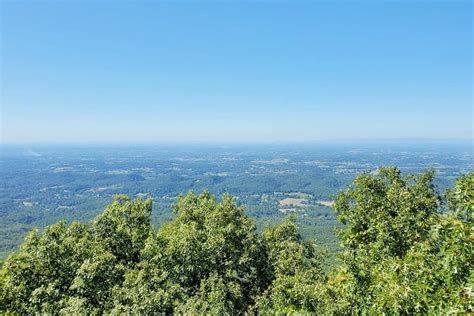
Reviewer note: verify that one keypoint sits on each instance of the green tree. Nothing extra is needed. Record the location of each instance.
(38, 277)
(75, 266)
(295, 267)
(400, 254)
(188, 260)
(123, 228)
(461, 198)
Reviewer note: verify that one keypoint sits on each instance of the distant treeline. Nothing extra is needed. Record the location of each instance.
(404, 250)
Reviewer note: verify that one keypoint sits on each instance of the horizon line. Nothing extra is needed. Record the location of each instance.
(243, 142)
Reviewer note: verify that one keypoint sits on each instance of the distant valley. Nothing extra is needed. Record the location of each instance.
(42, 184)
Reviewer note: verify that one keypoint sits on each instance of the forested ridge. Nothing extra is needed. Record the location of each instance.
(405, 249)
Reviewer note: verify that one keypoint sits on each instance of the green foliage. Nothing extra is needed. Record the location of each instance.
(433, 276)
(399, 255)
(461, 198)
(210, 259)
(296, 271)
(207, 246)
(75, 267)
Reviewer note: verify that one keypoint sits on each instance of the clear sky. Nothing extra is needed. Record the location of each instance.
(108, 71)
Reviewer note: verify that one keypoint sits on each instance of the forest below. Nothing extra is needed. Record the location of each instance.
(43, 184)
(405, 248)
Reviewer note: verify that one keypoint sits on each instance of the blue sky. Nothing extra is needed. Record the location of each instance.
(103, 71)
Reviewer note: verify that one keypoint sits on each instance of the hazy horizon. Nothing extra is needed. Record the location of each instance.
(349, 141)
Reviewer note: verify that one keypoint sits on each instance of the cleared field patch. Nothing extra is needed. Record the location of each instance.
(326, 203)
(293, 201)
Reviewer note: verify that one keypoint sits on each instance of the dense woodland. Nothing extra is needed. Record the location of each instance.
(405, 249)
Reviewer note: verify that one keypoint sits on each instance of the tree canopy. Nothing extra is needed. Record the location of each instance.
(401, 253)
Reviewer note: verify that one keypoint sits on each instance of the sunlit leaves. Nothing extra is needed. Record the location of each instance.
(401, 254)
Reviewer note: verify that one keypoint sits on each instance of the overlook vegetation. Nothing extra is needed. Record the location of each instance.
(404, 250)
